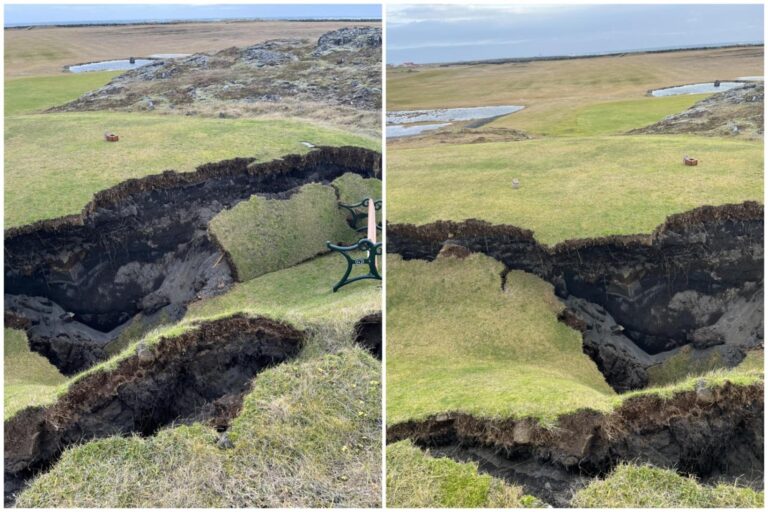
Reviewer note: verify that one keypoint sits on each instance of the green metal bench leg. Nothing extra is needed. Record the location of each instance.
(364, 244)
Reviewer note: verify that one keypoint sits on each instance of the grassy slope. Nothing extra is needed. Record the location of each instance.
(27, 95)
(28, 377)
(416, 480)
(572, 188)
(457, 342)
(308, 436)
(630, 486)
(254, 232)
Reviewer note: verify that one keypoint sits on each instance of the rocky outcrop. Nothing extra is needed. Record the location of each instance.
(736, 112)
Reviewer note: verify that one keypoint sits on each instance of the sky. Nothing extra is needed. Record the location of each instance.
(450, 33)
(19, 14)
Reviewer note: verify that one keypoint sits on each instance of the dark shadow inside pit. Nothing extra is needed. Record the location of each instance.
(199, 376)
(141, 251)
(368, 333)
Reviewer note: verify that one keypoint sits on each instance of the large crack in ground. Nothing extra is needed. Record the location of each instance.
(141, 251)
(714, 434)
(200, 375)
(694, 284)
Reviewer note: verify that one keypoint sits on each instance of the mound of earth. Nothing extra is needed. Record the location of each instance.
(737, 112)
(465, 135)
(290, 76)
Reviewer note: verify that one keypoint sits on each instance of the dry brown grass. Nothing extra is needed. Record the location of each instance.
(45, 51)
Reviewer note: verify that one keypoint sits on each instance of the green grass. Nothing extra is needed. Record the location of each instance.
(418, 480)
(301, 295)
(28, 377)
(630, 486)
(572, 188)
(54, 163)
(308, 436)
(264, 235)
(353, 188)
(33, 94)
(613, 117)
(457, 342)
(681, 365)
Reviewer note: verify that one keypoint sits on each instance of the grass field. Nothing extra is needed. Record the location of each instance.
(33, 94)
(456, 342)
(572, 187)
(46, 50)
(54, 163)
(550, 90)
(630, 486)
(417, 480)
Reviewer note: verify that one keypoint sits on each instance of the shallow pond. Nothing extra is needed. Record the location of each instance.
(110, 65)
(401, 123)
(449, 114)
(696, 88)
(400, 130)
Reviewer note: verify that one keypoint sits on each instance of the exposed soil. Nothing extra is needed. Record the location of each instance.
(341, 72)
(200, 375)
(696, 282)
(368, 333)
(737, 112)
(715, 434)
(141, 251)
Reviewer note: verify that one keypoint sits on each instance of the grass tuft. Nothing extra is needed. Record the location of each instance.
(417, 480)
(631, 486)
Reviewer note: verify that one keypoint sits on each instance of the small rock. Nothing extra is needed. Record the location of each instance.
(515, 183)
(144, 353)
(224, 443)
(451, 249)
(703, 393)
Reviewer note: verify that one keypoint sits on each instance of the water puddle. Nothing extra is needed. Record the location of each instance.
(696, 88)
(399, 130)
(110, 65)
(403, 123)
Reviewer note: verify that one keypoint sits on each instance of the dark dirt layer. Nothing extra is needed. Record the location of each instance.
(737, 112)
(713, 433)
(368, 333)
(200, 375)
(697, 280)
(141, 250)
